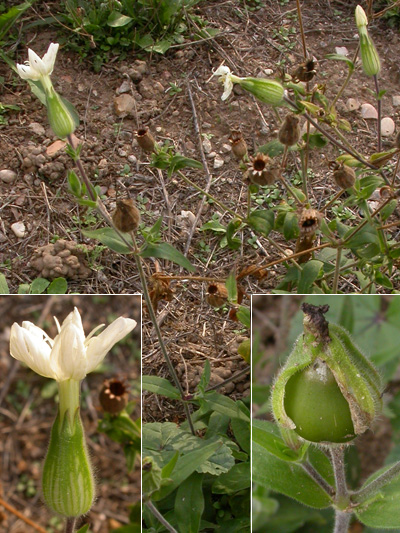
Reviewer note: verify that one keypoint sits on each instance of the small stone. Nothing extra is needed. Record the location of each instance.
(218, 162)
(122, 153)
(125, 87)
(207, 146)
(132, 159)
(135, 75)
(37, 128)
(8, 176)
(18, 228)
(102, 163)
(211, 155)
(55, 147)
(123, 104)
(226, 148)
(396, 100)
(387, 126)
(368, 111)
(352, 104)
(342, 51)
(81, 87)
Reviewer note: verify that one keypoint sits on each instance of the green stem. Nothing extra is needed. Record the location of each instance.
(155, 512)
(304, 165)
(342, 498)
(342, 521)
(346, 81)
(374, 486)
(316, 476)
(153, 319)
(68, 392)
(248, 201)
(379, 113)
(337, 270)
(70, 525)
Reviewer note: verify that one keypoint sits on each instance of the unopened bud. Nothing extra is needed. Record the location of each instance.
(145, 139)
(126, 216)
(369, 56)
(289, 132)
(267, 91)
(344, 176)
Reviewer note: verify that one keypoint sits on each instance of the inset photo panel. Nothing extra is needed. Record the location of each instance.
(70, 410)
(325, 413)
(196, 409)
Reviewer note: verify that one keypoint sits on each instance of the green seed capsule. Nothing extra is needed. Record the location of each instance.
(328, 391)
(267, 91)
(316, 405)
(63, 121)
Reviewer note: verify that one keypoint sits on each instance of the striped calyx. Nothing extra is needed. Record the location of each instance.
(369, 55)
(67, 479)
(328, 391)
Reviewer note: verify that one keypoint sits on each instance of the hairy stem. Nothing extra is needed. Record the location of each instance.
(70, 525)
(316, 476)
(155, 512)
(379, 100)
(373, 487)
(342, 498)
(346, 81)
(337, 270)
(342, 522)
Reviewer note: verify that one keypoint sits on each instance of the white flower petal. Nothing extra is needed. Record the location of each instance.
(97, 347)
(228, 86)
(49, 57)
(27, 73)
(222, 70)
(36, 63)
(68, 357)
(29, 345)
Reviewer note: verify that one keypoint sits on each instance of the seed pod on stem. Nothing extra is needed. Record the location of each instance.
(262, 171)
(126, 216)
(289, 132)
(328, 391)
(145, 139)
(344, 176)
(239, 146)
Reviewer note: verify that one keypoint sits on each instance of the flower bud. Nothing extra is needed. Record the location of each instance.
(114, 396)
(62, 120)
(267, 91)
(328, 391)
(145, 139)
(369, 56)
(289, 132)
(126, 216)
(305, 71)
(67, 479)
(239, 146)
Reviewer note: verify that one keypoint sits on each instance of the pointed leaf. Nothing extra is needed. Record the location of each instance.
(163, 250)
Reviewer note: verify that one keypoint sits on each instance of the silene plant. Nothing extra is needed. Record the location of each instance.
(68, 485)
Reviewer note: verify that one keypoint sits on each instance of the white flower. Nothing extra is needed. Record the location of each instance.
(70, 355)
(226, 78)
(38, 68)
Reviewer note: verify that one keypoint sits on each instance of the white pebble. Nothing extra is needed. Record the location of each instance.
(368, 111)
(387, 126)
(8, 176)
(207, 146)
(396, 100)
(18, 228)
(342, 51)
(218, 162)
(352, 104)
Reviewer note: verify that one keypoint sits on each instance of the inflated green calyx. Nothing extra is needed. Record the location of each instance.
(328, 391)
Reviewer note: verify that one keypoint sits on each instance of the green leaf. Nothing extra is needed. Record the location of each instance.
(163, 250)
(241, 430)
(233, 242)
(272, 148)
(205, 377)
(160, 386)
(213, 225)
(74, 183)
(117, 20)
(315, 140)
(110, 238)
(231, 286)
(244, 349)
(189, 503)
(4, 285)
(179, 161)
(8, 19)
(383, 510)
(290, 226)
(84, 529)
(284, 476)
(58, 286)
(367, 234)
(388, 209)
(237, 479)
(39, 285)
(261, 220)
(243, 314)
(160, 47)
(309, 274)
(340, 57)
(226, 406)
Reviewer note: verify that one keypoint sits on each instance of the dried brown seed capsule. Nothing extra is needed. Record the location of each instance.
(145, 139)
(114, 396)
(262, 171)
(289, 132)
(126, 217)
(305, 71)
(309, 221)
(239, 146)
(217, 294)
(344, 176)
